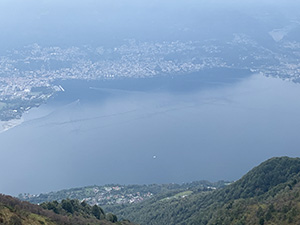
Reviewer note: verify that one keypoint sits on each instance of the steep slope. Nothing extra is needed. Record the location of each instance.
(257, 198)
(282, 208)
(259, 189)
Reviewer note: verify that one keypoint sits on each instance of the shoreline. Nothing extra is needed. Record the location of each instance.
(7, 125)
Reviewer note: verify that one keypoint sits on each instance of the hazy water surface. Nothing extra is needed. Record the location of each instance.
(99, 134)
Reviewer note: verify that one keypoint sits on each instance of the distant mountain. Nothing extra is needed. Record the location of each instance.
(268, 194)
(68, 212)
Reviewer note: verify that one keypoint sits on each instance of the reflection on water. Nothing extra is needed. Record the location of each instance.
(110, 135)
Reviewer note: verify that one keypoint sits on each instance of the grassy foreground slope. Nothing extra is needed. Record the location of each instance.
(268, 194)
(16, 212)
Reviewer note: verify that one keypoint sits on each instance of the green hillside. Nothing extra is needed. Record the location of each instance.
(68, 212)
(268, 194)
(118, 194)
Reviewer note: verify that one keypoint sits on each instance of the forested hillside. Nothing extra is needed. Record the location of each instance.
(268, 194)
(68, 212)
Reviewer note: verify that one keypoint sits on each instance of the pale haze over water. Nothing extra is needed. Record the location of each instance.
(202, 116)
(202, 134)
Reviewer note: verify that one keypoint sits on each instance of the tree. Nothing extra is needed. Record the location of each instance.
(111, 217)
(67, 205)
(98, 212)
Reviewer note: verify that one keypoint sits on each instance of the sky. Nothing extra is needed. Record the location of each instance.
(103, 22)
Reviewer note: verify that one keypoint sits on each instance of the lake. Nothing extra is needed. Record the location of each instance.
(214, 125)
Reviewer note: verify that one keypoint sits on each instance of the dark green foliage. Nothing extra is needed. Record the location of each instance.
(53, 206)
(111, 217)
(82, 209)
(262, 178)
(261, 221)
(98, 212)
(16, 212)
(68, 206)
(268, 194)
(73, 206)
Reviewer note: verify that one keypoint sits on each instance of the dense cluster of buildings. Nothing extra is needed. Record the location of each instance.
(23, 70)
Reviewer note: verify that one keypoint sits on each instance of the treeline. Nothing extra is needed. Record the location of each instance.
(75, 208)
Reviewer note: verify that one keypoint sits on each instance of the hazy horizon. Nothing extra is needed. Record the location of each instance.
(69, 23)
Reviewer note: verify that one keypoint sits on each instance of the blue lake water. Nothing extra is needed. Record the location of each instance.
(201, 126)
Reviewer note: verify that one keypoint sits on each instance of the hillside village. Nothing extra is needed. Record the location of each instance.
(118, 194)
